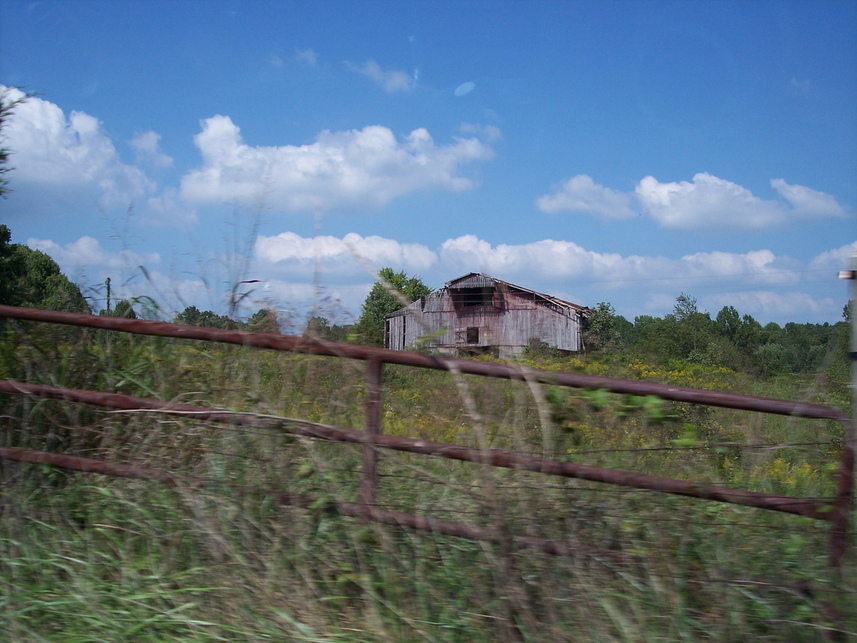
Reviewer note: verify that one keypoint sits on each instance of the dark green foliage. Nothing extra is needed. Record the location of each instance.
(193, 316)
(123, 308)
(735, 341)
(380, 302)
(32, 279)
(600, 328)
(264, 320)
(320, 328)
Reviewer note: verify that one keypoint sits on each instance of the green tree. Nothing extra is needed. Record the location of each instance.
(728, 322)
(32, 279)
(193, 316)
(123, 308)
(264, 320)
(381, 302)
(690, 329)
(601, 331)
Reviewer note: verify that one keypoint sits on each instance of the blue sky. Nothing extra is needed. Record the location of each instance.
(596, 151)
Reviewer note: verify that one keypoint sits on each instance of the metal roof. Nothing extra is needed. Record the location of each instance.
(480, 280)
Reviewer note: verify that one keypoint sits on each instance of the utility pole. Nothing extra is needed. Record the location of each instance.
(108, 294)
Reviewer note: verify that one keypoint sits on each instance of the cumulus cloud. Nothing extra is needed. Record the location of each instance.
(391, 81)
(293, 253)
(147, 147)
(808, 202)
(69, 161)
(348, 170)
(836, 259)
(581, 194)
(706, 201)
(87, 252)
(549, 259)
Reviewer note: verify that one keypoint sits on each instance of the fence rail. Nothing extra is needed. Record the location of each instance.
(835, 511)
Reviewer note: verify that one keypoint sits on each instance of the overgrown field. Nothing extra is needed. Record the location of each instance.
(90, 558)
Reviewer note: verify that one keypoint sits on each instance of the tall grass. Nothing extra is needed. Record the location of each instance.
(89, 558)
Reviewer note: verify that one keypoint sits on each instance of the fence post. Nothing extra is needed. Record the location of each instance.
(843, 505)
(371, 428)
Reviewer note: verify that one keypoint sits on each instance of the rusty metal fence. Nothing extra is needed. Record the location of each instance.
(834, 511)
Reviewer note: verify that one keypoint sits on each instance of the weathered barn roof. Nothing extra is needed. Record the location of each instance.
(480, 280)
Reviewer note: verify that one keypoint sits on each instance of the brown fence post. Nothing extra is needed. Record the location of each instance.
(371, 428)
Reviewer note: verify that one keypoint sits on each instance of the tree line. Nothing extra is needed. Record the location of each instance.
(31, 278)
(727, 339)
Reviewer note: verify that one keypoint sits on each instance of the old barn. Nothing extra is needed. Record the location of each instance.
(480, 314)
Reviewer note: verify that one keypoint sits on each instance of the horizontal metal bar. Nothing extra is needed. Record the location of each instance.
(293, 343)
(352, 509)
(811, 508)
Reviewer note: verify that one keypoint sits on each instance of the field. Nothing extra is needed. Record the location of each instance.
(92, 558)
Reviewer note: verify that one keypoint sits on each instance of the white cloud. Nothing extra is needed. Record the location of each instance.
(490, 133)
(348, 170)
(808, 202)
(709, 202)
(168, 209)
(549, 259)
(581, 194)
(87, 252)
(705, 202)
(767, 304)
(307, 56)
(69, 159)
(465, 88)
(836, 259)
(391, 81)
(295, 254)
(147, 147)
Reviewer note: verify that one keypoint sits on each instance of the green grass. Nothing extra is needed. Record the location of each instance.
(90, 558)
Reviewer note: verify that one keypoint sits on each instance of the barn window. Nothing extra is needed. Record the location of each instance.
(473, 335)
(473, 297)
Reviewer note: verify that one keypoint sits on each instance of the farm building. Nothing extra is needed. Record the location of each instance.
(480, 314)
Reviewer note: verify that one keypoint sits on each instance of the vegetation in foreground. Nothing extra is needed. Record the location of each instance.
(89, 558)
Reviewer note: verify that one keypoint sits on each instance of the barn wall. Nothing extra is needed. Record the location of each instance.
(508, 324)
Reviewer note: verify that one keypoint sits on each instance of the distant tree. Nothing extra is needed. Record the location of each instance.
(690, 329)
(320, 328)
(600, 330)
(264, 320)
(31, 278)
(381, 302)
(123, 308)
(192, 316)
(728, 322)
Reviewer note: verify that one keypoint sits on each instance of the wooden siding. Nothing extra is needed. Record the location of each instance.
(468, 314)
